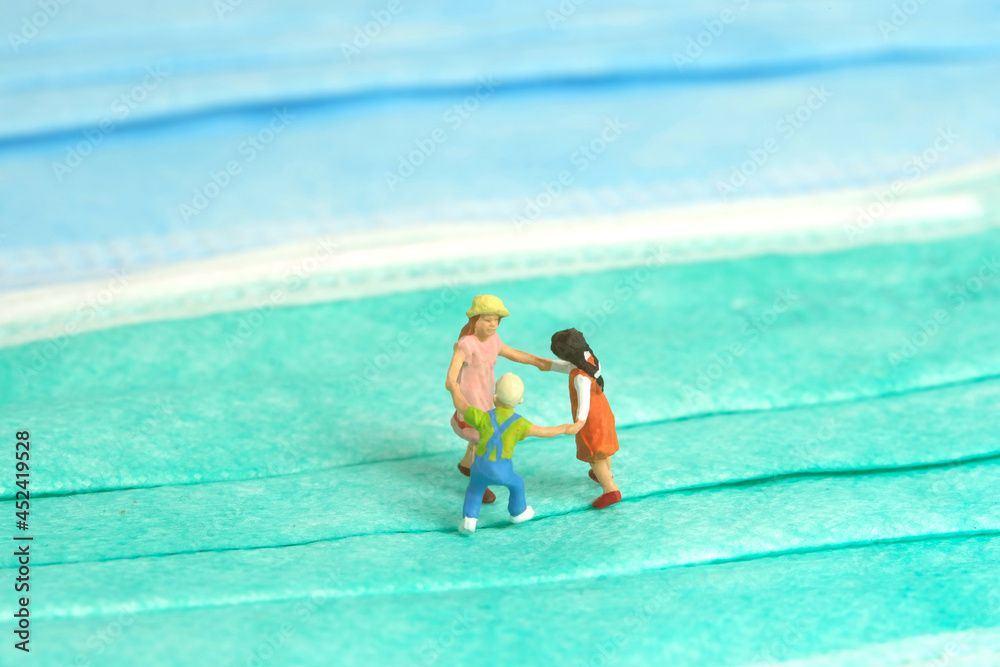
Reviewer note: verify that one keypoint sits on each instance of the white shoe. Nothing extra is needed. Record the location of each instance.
(468, 526)
(523, 516)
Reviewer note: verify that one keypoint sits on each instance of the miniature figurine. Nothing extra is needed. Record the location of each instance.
(597, 441)
(471, 369)
(500, 429)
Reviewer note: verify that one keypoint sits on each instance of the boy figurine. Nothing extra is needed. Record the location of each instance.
(500, 430)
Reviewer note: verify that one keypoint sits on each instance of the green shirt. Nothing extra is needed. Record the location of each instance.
(514, 434)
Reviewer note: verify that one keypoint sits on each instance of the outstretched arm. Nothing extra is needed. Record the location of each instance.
(507, 352)
(553, 431)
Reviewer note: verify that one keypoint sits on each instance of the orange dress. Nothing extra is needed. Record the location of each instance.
(597, 439)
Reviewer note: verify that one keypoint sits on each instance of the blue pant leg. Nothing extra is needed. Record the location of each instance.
(474, 496)
(517, 503)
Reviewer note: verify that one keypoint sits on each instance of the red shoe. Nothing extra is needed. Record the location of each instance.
(593, 476)
(609, 498)
(490, 497)
(465, 471)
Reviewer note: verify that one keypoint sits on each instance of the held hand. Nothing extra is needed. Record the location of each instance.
(461, 405)
(542, 364)
(573, 429)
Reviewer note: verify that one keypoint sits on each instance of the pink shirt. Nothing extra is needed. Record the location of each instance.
(475, 380)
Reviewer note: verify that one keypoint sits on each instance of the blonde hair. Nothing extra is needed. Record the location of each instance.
(469, 328)
(510, 390)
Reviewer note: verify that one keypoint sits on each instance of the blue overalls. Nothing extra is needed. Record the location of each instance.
(486, 473)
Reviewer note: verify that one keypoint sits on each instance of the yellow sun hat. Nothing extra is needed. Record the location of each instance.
(487, 304)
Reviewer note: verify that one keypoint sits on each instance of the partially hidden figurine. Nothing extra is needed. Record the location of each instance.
(471, 370)
(500, 429)
(597, 441)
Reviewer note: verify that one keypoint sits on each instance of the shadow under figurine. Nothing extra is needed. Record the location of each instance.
(500, 429)
(597, 441)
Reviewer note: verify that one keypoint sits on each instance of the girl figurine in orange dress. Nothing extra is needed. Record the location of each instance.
(597, 441)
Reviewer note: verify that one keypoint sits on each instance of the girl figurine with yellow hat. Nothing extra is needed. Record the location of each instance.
(471, 371)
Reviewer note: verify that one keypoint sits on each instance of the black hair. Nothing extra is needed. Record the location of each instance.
(570, 345)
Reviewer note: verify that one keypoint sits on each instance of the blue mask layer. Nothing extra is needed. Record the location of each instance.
(841, 467)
